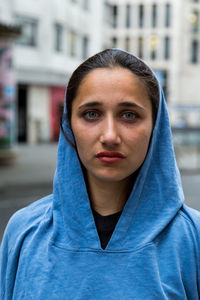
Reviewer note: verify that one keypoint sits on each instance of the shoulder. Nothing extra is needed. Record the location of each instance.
(190, 223)
(184, 228)
(25, 219)
(191, 215)
(21, 225)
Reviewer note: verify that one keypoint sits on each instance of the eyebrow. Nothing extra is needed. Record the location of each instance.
(131, 104)
(89, 104)
(126, 104)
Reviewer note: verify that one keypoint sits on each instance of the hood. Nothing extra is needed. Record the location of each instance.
(156, 197)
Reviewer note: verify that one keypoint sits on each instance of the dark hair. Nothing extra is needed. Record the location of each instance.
(111, 58)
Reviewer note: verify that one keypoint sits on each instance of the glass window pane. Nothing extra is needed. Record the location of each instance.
(114, 42)
(194, 20)
(85, 47)
(167, 15)
(72, 43)
(29, 31)
(114, 14)
(141, 15)
(140, 47)
(58, 37)
(128, 15)
(194, 51)
(127, 44)
(86, 4)
(154, 15)
(167, 47)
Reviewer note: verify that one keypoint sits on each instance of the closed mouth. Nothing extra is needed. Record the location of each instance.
(110, 154)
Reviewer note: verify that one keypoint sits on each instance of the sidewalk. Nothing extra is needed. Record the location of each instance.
(30, 179)
(35, 165)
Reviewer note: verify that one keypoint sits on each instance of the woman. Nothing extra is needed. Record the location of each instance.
(115, 226)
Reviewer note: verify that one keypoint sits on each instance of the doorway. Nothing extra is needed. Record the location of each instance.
(22, 112)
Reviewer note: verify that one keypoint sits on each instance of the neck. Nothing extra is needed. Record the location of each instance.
(108, 197)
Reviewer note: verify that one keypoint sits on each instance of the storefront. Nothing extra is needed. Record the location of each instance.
(7, 93)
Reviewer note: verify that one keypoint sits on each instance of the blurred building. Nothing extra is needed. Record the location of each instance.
(56, 37)
(8, 33)
(166, 34)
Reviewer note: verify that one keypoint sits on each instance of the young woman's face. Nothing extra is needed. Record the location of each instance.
(112, 123)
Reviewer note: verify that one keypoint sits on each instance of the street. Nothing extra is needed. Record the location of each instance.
(32, 177)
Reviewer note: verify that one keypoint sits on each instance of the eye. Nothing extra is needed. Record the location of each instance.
(129, 115)
(91, 115)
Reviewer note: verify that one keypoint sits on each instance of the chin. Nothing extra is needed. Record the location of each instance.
(111, 176)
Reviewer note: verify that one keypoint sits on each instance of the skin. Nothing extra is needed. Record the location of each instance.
(111, 112)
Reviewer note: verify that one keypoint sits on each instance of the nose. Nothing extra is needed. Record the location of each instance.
(110, 133)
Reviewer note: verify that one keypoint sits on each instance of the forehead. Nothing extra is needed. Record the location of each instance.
(111, 85)
(120, 77)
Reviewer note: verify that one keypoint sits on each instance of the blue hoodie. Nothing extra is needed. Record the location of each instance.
(51, 249)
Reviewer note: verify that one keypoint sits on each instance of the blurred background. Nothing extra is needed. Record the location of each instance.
(43, 41)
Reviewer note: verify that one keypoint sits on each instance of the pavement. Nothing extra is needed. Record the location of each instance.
(28, 180)
(35, 165)
(31, 178)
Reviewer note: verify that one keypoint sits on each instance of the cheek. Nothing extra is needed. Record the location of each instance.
(84, 135)
(139, 143)
(83, 139)
(79, 139)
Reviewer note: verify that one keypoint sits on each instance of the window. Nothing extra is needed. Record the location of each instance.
(153, 54)
(128, 16)
(58, 37)
(167, 15)
(29, 31)
(114, 42)
(114, 14)
(86, 4)
(127, 44)
(167, 47)
(162, 76)
(141, 15)
(72, 43)
(154, 46)
(194, 51)
(140, 47)
(154, 15)
(194, 20)
(85, 47)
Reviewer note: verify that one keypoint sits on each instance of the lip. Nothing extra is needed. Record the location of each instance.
(110, 156)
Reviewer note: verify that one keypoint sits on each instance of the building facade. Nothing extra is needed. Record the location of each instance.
(56, 37)
(166, 34)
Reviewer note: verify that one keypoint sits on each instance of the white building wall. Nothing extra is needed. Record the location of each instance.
(95, 26)
(42, 65)
(39, 67)
(43, 58)
(190, 73)
(6, 12)
(183, 88)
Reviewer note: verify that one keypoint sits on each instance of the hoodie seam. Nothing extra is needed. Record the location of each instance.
(186, 218)
(101, 250)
